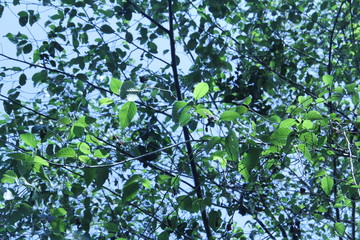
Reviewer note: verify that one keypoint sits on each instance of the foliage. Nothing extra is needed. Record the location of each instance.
(181, 119)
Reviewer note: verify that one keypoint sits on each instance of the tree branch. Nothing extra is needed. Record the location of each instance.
(190, 152)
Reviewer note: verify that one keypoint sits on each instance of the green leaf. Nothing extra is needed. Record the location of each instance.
(65, 120)
(22, 79)
(66, 152)
(313, 115)
(127, 88)
(1, 10)
(185, 203)
(106, 29)
(59, 212)
(130, 191)
(127, 113)
(328, 79)
(29, 139)
(41, 161)
(9, 177)
(89, 175)
(115, 85)
(287, 123)
(82, 77)
(27, 48)
(229, 116)
(146, 183)
(111, 227)
(84, 148)
(279, 137)
(327, 184)
(184, 118)
(176, 110)
(101, 153)
(152, 47)
(78, 130)
(340, 228)
(232, 145)
(165, 235)
(105, 101)
(252, 158)
(128, 37)
(215, 219)
(305, 151)
(242, 169)
(102, 174)
(200, 90)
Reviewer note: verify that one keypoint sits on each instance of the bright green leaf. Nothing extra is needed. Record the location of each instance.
(146, 183)
(115, 85)
(29, 139)
(327, 184)
(101, 153)
(105, 101)
(84, 148)
(66, 152)
(9, 177)
(127, 113)
(59, 212)
(313, 115)
(41, 161)
(340, 229)
(328, 79)
(200, 90)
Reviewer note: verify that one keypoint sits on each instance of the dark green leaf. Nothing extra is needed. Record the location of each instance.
(232, 145)
(106, 29)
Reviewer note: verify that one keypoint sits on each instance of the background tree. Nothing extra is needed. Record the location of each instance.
(167, 119)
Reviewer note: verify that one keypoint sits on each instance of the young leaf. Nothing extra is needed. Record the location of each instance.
(105, 101)
(200, 90)
(41, 161)
(84, 148)
(328, 79)
(29, 139)
(127, 113)
(327, 184)
(340, 228)
(115, 85)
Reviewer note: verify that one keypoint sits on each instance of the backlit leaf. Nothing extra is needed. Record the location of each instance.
(327, 184)
(201, 89)
(29, 139)
(127, 113)
(66, 152)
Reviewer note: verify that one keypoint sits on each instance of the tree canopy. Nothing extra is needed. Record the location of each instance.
(178, 119)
